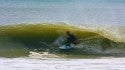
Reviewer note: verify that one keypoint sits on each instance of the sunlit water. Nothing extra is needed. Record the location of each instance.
(62, 64)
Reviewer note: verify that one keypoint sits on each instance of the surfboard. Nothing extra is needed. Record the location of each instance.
(66, 47)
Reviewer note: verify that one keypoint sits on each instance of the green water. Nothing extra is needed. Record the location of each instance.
(18, 40)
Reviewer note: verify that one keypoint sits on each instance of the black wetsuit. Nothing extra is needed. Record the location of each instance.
(70, 39)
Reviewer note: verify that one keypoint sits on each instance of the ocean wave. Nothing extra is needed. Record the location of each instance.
(41, 38)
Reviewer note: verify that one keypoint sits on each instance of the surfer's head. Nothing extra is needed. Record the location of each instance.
(67, 32)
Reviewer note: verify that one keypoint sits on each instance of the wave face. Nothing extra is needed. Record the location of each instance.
(20, 39)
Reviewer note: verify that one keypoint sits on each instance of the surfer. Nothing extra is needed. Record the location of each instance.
(70, 39)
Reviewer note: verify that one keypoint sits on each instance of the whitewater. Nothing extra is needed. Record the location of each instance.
(109, 63)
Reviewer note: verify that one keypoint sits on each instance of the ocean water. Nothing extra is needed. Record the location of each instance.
(35, 47)
(94, 12)
(62, 64)
(32, 30)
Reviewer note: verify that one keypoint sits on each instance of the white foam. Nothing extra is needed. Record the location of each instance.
(62, 64)
(42, 55)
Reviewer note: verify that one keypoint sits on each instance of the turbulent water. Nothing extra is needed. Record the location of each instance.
(62, 64)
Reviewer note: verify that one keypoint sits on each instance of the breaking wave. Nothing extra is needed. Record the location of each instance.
(21, 39)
